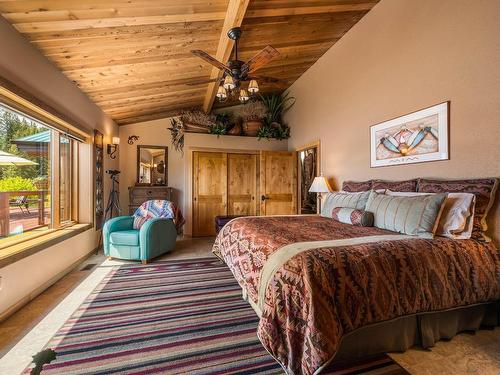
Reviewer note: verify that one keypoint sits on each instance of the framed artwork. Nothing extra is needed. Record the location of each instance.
(413, 138)
(99, 176)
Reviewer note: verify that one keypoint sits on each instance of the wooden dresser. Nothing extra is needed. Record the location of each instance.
(140, 194)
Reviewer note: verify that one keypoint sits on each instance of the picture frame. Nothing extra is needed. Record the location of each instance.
(417, 137)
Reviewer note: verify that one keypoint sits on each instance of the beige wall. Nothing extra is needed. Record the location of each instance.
(405, 55)
(156, 133)
(27, 68)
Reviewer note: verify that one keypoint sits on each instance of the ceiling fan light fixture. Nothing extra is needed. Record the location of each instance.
(228, 83)
(243, 96)
(221, 93)
(253, 87)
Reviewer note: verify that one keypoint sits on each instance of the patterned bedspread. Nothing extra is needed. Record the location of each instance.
(319, 295)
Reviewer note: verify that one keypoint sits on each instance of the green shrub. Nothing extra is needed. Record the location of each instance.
(16, 184)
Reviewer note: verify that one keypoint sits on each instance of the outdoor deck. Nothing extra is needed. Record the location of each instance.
(21, 222)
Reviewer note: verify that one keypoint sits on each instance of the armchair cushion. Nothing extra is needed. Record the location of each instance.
(125, 237)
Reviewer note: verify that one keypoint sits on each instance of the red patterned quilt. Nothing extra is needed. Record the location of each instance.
(319, 295)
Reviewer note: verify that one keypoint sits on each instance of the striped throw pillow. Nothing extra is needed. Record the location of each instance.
(416, 216)
(352, 216)
(348, 200)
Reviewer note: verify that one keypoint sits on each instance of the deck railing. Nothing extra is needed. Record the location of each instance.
(5, 204)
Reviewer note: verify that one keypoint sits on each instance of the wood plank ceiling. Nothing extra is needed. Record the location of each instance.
(132, 57)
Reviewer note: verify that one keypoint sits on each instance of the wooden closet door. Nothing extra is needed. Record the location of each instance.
(242, 184)
(278, 183)
(209, 190)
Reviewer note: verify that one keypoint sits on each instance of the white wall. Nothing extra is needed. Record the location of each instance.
(156, 133)
(405, 55)
(26, 67)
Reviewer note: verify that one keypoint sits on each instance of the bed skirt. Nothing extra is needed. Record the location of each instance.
(422, 330)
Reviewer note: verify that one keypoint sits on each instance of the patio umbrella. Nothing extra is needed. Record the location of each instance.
(9, 159)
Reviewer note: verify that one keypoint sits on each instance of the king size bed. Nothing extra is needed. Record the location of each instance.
(327, 291)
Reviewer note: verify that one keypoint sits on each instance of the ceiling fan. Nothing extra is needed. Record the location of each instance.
(237, 71)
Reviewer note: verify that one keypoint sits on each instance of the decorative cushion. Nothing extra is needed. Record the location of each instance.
(353, 186)
(456, 219)
(352, 216)
(158, 208)
(348, 200)
(416, 216)
(483, 188)
(125, 237)
(407, 185)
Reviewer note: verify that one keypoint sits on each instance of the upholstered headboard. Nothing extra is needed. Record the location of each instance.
(483, 188)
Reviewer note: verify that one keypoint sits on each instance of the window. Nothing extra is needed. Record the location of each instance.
(37, 164)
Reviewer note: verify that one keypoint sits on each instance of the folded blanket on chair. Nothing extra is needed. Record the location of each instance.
(158, 208)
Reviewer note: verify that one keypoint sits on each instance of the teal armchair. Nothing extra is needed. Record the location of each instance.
(157, 236)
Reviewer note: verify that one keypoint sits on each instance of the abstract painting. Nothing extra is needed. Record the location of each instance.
(413, 138)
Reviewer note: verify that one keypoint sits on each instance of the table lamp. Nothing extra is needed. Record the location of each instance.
(320, 185)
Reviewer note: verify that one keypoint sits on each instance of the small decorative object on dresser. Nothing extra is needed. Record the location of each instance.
(140, 194)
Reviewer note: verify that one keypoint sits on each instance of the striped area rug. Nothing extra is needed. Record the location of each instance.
(175, 317)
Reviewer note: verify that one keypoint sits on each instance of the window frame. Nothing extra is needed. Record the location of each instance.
(57, 126)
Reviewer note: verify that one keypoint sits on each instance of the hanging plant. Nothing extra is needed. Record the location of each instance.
(177, 133)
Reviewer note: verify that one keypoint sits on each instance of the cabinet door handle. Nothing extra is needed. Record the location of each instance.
(263, 198)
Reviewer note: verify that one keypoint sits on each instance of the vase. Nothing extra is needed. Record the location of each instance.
(251, 127)
(235, 130)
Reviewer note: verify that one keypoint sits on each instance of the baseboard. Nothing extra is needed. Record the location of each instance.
(23, 301)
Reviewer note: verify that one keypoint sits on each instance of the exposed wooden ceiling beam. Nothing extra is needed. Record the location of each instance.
(298, 11)
(236, 10)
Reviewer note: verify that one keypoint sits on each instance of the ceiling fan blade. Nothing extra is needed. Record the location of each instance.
(205, 56)
(259, 60)
(202, 81)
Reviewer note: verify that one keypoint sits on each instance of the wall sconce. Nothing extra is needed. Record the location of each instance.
(113, 147)
(132, 139)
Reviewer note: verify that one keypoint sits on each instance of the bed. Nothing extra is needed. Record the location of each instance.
(325, 290)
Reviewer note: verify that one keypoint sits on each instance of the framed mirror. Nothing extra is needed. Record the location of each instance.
(152, 165)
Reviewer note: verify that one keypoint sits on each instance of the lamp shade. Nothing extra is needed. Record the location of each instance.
(320, 185)
(116, 140)
(253, 87)
(221, 93)
(228, 83)
(244, 96)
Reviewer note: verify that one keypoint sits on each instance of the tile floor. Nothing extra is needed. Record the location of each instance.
(465, 354)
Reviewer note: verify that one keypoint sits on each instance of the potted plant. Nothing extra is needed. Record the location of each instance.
(197, 121)
(221, 124)
(276, 106)
(252, 114)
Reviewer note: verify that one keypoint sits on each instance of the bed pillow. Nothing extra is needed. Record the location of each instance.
(407, 185)
(354, 186)
(456, 219)
(352, 216)
(416, 216)
(483, 188)
(348, 200)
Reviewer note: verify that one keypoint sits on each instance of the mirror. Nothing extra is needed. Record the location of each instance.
(152, 165)
(308, 169)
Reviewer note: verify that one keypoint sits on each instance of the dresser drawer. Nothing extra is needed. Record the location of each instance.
(140, 194)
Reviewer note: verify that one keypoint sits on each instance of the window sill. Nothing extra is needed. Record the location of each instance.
(18, 251)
